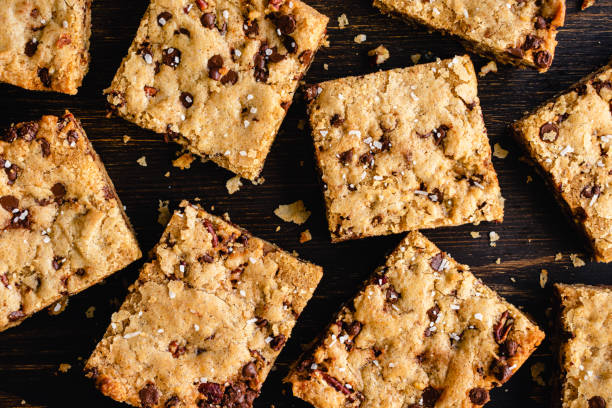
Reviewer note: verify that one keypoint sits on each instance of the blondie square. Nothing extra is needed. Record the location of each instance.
(585, 324)
(218, 76)
(403, 149)
(205, 321)
(517, 32)
(62, 226)
(44, 44)
(423, 332)
(569, 139)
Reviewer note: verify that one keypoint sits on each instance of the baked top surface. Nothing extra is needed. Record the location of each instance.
(44, 44)
(404, 149)
(62, 227)
(422, 331)
(205, 320)
(586, 321)
(569, 139)
(218, 78)
(521, 32)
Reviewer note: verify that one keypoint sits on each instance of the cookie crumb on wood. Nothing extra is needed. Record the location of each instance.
(493, 238)
(342, 21)
(142, 161)
(183, 161)
(490, 67)
(578, 262)
(233, 184)
(558, 256)
(536, 373)
(586, 4)
(475, 234)
(64, 367)
(305, 236)
(498, 261)
(164, 212)
(543, 278)
(294, 212)
(126, 139)
(359, 38)
(415, 58)
(499, 151)
(89, 313)
(378, 55)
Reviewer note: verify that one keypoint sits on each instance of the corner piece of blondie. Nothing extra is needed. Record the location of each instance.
(205, 321)
(62, 226)
(218, 77)
(518, 32)
(44, 44)
(403, 149)
(569, 139)
(585, 335)
(423, 332)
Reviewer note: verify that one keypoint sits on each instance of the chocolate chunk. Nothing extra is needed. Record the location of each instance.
(346, 157)
(12, 171)
(599, 85)
(278, 342)
(59, 191)
(249, 370)
(31, 47)
(251, 28)
(516, 52)
(9, 203)
(437, 262)
(354, 329)
(306, 57)
(543, 59)
(502, 327)
(440, 133)
(597, 402)
(145, 51)
(238, 395)
(45, 147)
(500, 370)
(183, 31)
(57, 262)
(509, 348)
(285, 23)
(392, 295)
(16, 315)
(215, 63)
(171, 57)
(208, 20)
(274, 56)
(549, 132)
(212, 391)
(27, 131)
(433, 312)
(186, 99)
(206, 258)
(230, 78)
(479, 396)
(367, 159)
(430, 396)
(163, 18)
(172, 402)
(590, 191)
(149, 395)
(336, 120)
(311, 92)
(335, 383)
(81, 272)
(211, 230)
(290, 44)
(44, 76)
(72, 137)
(150, 91)
(540, 23)
(532, 42)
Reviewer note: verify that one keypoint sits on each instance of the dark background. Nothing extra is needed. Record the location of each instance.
(533, 231)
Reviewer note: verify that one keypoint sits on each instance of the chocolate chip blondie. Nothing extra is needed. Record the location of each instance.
(218, 76)
(62, 226)
(518, 32)
(44, 44)
(206, 319)
(423, 332)
(585, 325)
(569, 139)
(403, 149)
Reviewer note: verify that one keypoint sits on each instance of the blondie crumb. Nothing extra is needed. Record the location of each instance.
(295, 212)
(378, 55)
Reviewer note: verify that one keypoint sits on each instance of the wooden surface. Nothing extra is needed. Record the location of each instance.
(533, 232)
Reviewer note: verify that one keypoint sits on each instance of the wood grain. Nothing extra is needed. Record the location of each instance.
(533, 232)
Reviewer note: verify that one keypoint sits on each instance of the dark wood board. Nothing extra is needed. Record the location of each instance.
(533, 232)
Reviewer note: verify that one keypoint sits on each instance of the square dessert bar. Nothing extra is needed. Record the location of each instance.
(403, 149)
(206, 319)
(585, 328)
(516, 32)
(44, 44)
(218, 76)
(423, 332)
(62, 226)
(569, 139)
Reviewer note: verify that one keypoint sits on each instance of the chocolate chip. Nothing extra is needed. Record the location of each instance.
(9, 202)
(59, 191)
(549, 132)
(354, 329)
(306, 57)
(437, 262)
(206, 258)
(543, 59)
(597, 402)
(346, 157)
(149, 395)
(45, 78)
(392, 295)
(367, 159)
(81, 272)
(27, 130)
(145, 51)
(211, 230)
(57, 262)
(509, 348)
(251, 28)
(183, 31)
(433, 312)
(215, 63)
(163, 18)
(261, 322)
(212, 391)
(72, 137)
(238, 395)
(249, 370)
(172, 402)
(186, 99)
(230, 78)
(16, 315)
(336, 120)
(540, 23)
(285, 23)
(208, 20)
(500, 370)
(150, 91)
(12, 171)
(275, 56)
(532, 42)
(31, 47)
(290, 44)
(516, 52)
(171, 57)
(278, 342)
(430, 396)
(590, 191)
(311, 92)
(479, 396)
(45, 147)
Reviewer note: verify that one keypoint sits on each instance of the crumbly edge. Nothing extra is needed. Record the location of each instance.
(546, 176)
